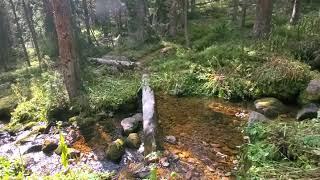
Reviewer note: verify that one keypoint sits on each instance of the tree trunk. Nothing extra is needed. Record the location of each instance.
(193, 6)
(50, 30)
(67, 47)
(29, 19)
(4, 37)
(295, 12)
(244, 7)
(173, 16)
(138, 24)
(87, 20)
(20, 36)
(186, 33)
(262, 26)
(235, 10)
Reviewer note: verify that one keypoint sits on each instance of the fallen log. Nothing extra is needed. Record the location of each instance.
(150, 121)
(114, 62)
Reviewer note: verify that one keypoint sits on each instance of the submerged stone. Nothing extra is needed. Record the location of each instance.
(270, 107)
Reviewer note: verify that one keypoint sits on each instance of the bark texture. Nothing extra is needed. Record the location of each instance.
(67, 47)
(262, 26)
(295, 12)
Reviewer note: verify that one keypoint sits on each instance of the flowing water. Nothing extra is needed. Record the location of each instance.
(208, 133)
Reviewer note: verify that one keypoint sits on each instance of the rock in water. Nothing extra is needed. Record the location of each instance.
(49, 146)
(131, 124)
(133, 141)
(270, 107)
(115, 151)
(256, 117)
(308, 112)
(312, 93)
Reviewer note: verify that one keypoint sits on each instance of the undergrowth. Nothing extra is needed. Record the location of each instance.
(282, 150)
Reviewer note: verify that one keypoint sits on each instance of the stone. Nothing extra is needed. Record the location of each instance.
(49, 146)
(270, 107)
(311, 93)
(7, 105)
(115, 151)
(256, 117)
(133, 141)
(171, 139)
(308, 112)
(131, 124)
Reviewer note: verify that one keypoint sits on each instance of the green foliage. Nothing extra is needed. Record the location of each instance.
(64, 151)
(37, 96)
(153, 172)
(10, 169)
(106, 91)
(82, 174)
(282, 150)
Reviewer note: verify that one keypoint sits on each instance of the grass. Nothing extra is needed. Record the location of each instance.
(282, 150)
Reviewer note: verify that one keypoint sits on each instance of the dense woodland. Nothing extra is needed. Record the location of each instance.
(236, 85)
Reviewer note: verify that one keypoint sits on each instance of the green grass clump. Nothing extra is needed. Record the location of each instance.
(11, 169)
(107, 91)
(282, 150)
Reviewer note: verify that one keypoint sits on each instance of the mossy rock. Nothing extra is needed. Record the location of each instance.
(270, 107)
(133, 141)
(115, 151)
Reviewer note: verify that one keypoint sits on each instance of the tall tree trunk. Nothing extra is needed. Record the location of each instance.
(138, 25)
(295, 12)
(235, 10)
(20, 36)
(4, 37)
(244, 7)
(67, 47)
(87, 20)
(262, 26)
(29, 19)
(193, 6)
(173, 16)
(50, 30)
(186, 33)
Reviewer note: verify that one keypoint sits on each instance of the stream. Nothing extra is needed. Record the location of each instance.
(206, 132)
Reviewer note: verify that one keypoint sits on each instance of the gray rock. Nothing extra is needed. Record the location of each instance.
(256, 117)
(171, 139)
(311, 93)
(308, 112)
(131, 124)
(73, 153)
(133, 141)
(270, 107)
(115, 151)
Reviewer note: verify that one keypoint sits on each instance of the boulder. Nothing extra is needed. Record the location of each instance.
(308, 112)
(49, 146)
(133, 141)
(256, 117)
(171, 139)
(115, 151)
(270, 107)
(131, 124)
(7, 105)
(311, 93)
(73, 153)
